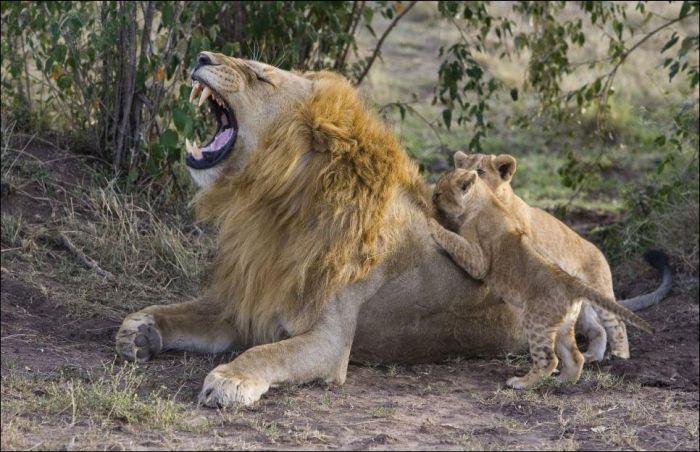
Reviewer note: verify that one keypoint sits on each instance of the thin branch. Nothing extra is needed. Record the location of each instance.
(82, 258)
(381, 41)
(610, 76)
(355, 17)
(412, 110)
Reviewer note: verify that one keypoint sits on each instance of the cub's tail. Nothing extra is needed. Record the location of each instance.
(583, 290)
(579, 289)
(659, 260)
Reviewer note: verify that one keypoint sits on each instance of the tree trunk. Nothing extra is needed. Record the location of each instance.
(125, 137)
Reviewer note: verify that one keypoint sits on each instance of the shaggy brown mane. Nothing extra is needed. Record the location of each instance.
(305, 216)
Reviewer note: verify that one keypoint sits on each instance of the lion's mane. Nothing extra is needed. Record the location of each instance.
(306, 214)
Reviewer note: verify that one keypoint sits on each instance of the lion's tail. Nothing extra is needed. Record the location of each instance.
(659, 260)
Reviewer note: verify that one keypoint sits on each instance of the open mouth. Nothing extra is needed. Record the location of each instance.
(221, 144)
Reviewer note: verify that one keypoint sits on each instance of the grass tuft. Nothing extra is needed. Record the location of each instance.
(118, 395)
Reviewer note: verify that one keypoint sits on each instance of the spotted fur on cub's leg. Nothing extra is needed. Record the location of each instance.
(571, 358)
(492, 245)
(571, 252)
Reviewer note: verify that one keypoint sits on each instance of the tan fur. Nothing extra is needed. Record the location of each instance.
(332, 200)
(493, 245)
(324, 242)
(559, 243)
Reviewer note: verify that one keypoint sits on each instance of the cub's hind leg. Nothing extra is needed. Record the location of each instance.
(616, 331)
(569, 355)
(540, 336)
(614, 326)
(589, 325)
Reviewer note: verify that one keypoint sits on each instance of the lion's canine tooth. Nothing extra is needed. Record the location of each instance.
(196, 88)
(193, 149)
(206, 92)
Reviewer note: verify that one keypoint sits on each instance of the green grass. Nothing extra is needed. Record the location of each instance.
(382, 412)
(114, 395)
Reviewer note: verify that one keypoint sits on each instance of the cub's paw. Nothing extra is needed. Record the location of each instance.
(569, 376)
(620, 350)
(591, 356)
(222, 388)
(138, 339)
(520, 382)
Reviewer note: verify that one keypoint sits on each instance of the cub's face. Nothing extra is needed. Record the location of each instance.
(495, 170)
(455, 193)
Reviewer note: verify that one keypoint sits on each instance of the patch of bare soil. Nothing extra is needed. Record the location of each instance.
(647, 402)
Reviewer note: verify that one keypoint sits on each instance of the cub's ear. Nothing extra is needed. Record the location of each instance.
(505, 165)
(461, 159)
(466, 180)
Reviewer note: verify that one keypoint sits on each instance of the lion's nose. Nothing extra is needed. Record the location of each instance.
(203, 59)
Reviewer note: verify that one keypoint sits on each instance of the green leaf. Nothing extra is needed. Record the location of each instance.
(189, 128)
(660, 140)
(167, 15)
(179, 118)
(514, 94)
(132, 176)
(447, 117)
(670, 42)
(684, 9)
(618, 27)
(673, 70)
(168, 139)
(59, 53)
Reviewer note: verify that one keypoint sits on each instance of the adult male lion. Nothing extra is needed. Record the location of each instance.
(323, 243)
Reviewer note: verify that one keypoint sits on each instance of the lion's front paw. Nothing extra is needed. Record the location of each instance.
(222, 388)
(138, 338)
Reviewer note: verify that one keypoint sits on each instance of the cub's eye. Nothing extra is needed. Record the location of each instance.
(480, 172)
(436, 196)
(465, 185)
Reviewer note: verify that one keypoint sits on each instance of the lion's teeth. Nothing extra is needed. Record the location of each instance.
(192, 93)
(206, 92)
(193, 149)
(195, 90)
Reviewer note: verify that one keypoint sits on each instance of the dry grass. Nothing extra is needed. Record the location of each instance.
(113, 395)
(159, 256)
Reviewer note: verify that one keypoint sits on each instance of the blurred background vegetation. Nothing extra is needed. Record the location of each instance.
(598, 101)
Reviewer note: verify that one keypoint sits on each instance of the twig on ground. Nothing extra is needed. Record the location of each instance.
(85, 260)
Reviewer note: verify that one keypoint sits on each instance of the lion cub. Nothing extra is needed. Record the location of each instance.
(494, 246)
(561, 244)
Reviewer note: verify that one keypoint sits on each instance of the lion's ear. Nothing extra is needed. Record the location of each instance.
(461, 159)
(506, 165)
(327, 137)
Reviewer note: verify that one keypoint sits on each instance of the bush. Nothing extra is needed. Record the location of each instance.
(116, 72)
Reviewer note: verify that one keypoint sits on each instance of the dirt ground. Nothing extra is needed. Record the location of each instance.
(63, 387)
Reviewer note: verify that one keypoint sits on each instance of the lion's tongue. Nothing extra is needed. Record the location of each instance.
(219, 141)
